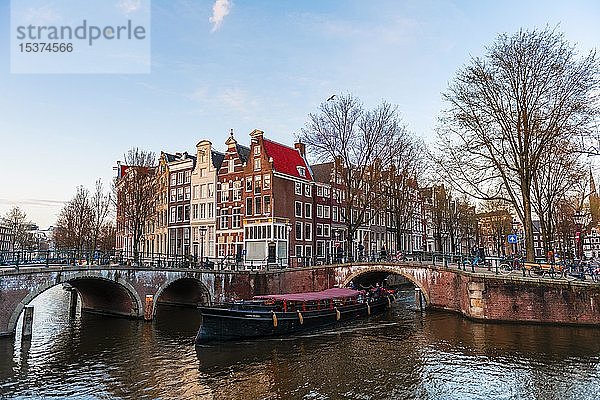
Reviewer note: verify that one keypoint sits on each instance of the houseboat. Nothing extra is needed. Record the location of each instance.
(281, 314)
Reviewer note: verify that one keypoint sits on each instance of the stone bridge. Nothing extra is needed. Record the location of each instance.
(135, 292)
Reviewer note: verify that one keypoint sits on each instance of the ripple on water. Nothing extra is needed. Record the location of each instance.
(400, 355)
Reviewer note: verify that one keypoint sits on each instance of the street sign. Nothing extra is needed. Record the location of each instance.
(337, 243)
(512, 238)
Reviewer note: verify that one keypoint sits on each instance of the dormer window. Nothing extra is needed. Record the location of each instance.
(256, 150)
(302, 172)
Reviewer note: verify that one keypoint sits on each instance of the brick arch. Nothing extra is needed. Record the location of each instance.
(71, 278)
(393, 269)
(174, 280)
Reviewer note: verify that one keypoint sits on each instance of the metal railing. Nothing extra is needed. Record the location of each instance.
(567, 269)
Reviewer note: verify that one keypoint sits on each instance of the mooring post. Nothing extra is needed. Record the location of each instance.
(27, 323)
(73, 303)
(418, 299)
(148, 308)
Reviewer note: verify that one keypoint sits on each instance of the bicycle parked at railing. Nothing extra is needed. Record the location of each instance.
(509, 265)
(582, 270)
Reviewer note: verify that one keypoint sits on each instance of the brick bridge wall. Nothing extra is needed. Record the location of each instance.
(123, 291)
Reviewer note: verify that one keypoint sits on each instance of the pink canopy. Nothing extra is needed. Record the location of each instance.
(312, 296)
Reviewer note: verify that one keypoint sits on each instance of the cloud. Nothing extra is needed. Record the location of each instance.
(220, 9)
(129, 6)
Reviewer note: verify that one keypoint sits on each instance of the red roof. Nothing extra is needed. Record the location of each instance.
(286, 159)
(334, 293)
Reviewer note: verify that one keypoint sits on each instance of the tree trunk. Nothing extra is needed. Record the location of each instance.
(528, 225)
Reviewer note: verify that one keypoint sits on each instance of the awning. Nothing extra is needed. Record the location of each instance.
(334, 293)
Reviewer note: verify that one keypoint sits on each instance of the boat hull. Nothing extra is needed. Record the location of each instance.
(222, 324)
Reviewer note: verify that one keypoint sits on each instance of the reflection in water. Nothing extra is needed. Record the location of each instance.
(400, 355)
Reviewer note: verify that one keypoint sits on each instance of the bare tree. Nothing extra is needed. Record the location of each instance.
(17, 221)
(74, 224)
(136, 190)
(496, 221)
(558, 174)
(362, 143)
(101, 202)
(507, 110)
(401, 186)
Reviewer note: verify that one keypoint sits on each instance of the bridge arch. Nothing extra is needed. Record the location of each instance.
(182, 290)
(98, 294)
(359, 270)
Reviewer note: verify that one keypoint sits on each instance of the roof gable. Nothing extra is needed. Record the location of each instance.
(287, 160)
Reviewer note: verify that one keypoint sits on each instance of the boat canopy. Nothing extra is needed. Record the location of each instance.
(334, 293)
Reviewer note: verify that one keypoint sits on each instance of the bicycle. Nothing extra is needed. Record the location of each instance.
(509, 265)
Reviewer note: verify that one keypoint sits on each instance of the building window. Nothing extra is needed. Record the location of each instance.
(195, 192)
(334, 214)
(326, 212)
(211, 189)
(326, 230)
(173, 214)
(298, 189)
(203, 211)
(320, 248)
(302, 172)
(257, 184)
(319, 211)
(224, 192)
(298, 209)
(267, 204)
(257, 205)
(173, 194)
(179, 194)
(174, 179)
(180, 178)
(187, 176)
(187, 192)
(308, 251)
(319, 230)
(248, 205)
(237, 190)
(249, 184)
(237, 218)
(211, 210)
(298, 251)
(194, 211)
(257, 164)
(186, 213)
(179, 213)
(307, 210)
(256, 150)
(307, 190)
(231, 166)
(325, 192)
(224, 219)
(307, 231)
(267, 182)
(319, 190)
(298, 230)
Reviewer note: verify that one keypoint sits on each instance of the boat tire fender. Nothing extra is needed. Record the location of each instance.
(300, 317)
(274, 319)
(368, 309)
(337, 314)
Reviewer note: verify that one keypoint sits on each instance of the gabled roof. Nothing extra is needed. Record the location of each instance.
(322, 172)
(169, 157)
(243, 151)
(216, 158)
(286, 159)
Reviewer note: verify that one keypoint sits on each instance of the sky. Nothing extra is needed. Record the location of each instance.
(244, 65)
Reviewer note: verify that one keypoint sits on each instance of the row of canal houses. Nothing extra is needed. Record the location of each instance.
(259, 205)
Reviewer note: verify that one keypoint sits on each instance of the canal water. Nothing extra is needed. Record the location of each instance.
(401, 355)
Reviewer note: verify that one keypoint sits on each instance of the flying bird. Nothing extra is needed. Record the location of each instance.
(331, 98)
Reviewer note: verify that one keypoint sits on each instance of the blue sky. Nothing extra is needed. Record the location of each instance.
(267, 66)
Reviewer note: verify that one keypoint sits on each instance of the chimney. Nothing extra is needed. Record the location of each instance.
(301, 147)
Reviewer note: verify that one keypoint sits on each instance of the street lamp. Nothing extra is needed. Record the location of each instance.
(202, 230)
(579, 219)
